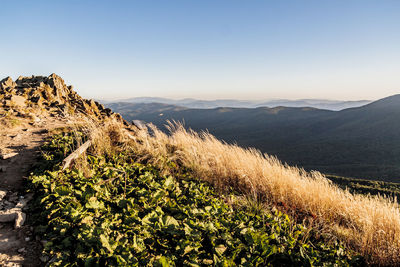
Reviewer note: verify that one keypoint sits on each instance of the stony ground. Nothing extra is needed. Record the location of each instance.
(19, 149)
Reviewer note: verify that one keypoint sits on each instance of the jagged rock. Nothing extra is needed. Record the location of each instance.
(7, 84)
(100, 106)
(24, 201)
(3, 193)
(51, 94)
(7, 156)
(8, 205)
(107, 111)
(13, 197)
(54, 104)
(37, 100)
(13, 215)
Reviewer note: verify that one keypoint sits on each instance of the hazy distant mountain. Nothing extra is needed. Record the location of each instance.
(360, 142)
(206, 104)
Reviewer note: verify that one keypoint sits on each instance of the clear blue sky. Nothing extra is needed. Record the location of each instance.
(207, 49)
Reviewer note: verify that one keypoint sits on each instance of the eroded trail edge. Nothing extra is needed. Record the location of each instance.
(19, 151)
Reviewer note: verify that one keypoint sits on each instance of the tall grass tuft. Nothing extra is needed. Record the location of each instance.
(368, 224)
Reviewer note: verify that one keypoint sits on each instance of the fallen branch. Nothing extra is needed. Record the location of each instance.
(74, 155)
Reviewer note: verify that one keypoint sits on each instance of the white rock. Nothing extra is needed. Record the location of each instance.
(15, 215)
(3, 193)
(9, 155)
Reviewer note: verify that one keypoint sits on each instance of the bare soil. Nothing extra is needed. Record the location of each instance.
(20, 146)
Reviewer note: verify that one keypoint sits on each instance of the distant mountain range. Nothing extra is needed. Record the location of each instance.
(207, 104)
(361, 142)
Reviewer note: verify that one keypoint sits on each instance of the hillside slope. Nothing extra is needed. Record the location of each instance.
(31, 108)
(360, 142)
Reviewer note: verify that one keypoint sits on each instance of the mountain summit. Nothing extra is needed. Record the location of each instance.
(41, 94)
(387, 103)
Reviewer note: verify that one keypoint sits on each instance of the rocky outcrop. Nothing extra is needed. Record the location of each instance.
(48, 94)
(7, 84)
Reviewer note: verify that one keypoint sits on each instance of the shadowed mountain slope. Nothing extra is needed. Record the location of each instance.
(359, 142)
(209, 104)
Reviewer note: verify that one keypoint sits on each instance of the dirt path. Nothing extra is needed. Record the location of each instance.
(19, 149)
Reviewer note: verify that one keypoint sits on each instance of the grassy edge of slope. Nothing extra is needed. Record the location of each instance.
(368, 224)
(364, 186)
(126, 213)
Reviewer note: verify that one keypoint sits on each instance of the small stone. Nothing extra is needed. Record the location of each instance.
(21, 250)
(9, 155)
(27, 239)
(8, 204)
(13, 197)
(44, 258)
(3, 193)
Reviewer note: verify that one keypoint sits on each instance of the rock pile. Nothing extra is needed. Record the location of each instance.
(11, 209)
(41, 93)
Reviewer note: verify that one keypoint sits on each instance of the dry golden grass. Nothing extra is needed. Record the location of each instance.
(105, 137)
(368, 224)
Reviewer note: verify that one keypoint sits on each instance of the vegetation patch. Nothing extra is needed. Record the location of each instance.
(360, 186)
(127, 213)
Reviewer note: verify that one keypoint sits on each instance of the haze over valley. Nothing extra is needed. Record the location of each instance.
(206, 104)
(362, 142)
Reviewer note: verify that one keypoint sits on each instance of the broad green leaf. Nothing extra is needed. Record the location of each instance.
(105, 243)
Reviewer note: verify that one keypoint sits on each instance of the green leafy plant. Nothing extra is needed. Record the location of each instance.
(128, 214)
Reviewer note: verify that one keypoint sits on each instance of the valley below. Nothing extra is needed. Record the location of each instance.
(360, 142)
